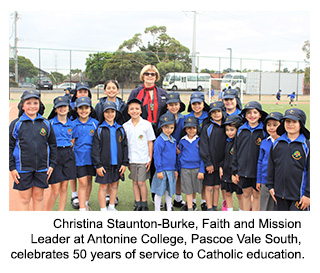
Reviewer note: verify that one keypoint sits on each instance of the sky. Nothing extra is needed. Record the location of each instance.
(257, 34)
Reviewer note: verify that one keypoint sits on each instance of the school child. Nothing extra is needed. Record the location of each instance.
(111, 89)
(31, 137)
(164, 153)
(140, 136)
(271, 123)
(66, 164)
(199, 108)
(291, 98)
(289, 163)
(110, 155)
(232, 102)
(176, 106)
(84, 129)
(246, 153)
(192, 167)
(212, 143)
(231, 125)
(81, 90)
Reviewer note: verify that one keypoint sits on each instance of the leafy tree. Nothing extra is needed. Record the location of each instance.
(165, 52)
(57, 77)
(25, 68)
(124, 65)
(94, 66)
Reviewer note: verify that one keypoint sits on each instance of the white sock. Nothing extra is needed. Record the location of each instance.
(230, 209)
(157, 202)
(83, 209)
(240, 210)
(111, 206)
(203, 201)
(168, 201)
(103, 209)
(178, 197)
(74, 194)
(87, 203)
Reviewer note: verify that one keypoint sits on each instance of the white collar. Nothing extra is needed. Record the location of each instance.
(190, 140)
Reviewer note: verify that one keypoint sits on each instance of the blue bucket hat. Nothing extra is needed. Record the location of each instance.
(82, 85)
(174, 97)
(191, 122)
(230, 94)
(61, 101)
(217, 105)
(236, 119)
(83, 101)
(273, 115)
(167, 118)
(109, 105)
(295, 114)
(198, 97)
(254, 105)
(28, 94)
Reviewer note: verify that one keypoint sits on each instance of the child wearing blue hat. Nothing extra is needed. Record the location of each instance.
(84, 129)
(165, 157)
(212, 143)
(246, 153)
(271, 123)
(192, 167)
(231, 125)
(66, 164)
(81, 90)
(289, 163)
(198, 107)
(110, 155)
(176, 106)
(31, 137)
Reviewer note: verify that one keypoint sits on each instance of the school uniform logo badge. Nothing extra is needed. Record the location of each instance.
(296, 155)
(91, 133)
(69, 131)
(231, 151)
(140, 137)
(258, 141)
(43, 132)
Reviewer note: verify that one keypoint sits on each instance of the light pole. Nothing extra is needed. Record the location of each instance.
(230, 58)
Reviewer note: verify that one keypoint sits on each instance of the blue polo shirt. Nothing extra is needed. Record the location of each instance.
(83, 135)
(63, 132)
(236, 112)
(113, 142)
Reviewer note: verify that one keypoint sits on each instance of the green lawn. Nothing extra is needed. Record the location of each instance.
(125, 192)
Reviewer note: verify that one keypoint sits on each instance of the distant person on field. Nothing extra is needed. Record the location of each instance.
(278, 96)
(291, 98)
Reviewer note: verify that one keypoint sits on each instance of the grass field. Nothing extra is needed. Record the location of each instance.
(125, 193)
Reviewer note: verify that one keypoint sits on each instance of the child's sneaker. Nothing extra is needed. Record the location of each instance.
(178, 204)
(75, 202)
(224, 206)
(204, 206)
(112, 209)
(194, 207)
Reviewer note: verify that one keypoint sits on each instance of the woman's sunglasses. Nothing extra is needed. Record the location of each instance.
(150, 74)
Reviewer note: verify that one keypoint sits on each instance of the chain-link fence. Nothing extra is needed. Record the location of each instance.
(66, 66)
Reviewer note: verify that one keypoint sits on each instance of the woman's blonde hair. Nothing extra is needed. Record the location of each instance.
(147, 68)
